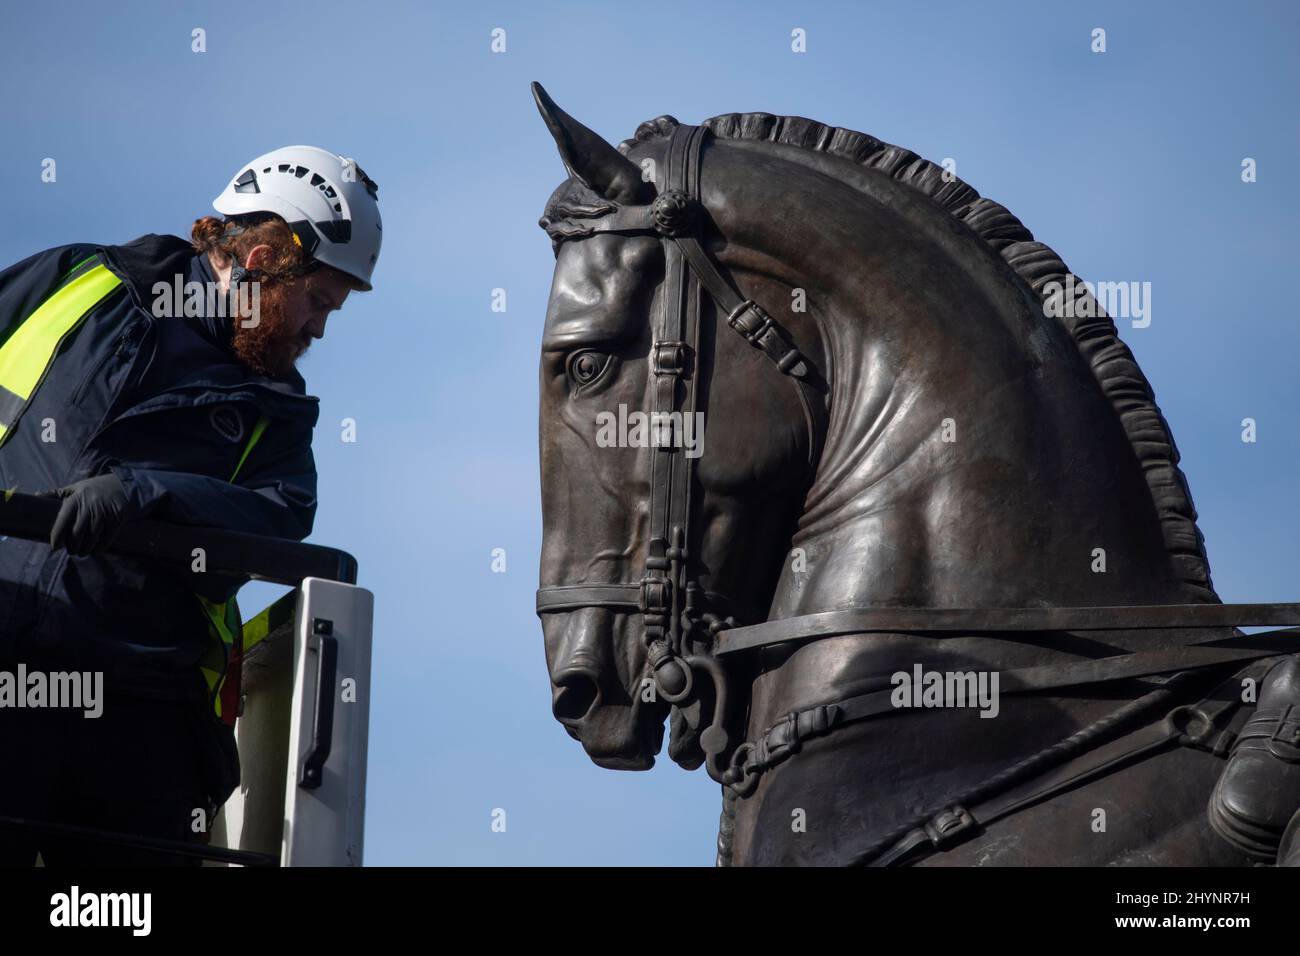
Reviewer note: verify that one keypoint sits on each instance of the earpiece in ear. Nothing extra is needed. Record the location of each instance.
(238, 274)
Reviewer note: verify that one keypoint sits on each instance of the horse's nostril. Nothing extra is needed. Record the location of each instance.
(576, 694)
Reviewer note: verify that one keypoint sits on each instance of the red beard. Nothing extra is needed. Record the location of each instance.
(271, 347)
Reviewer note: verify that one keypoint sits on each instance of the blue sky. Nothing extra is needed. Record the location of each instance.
(1128, 163)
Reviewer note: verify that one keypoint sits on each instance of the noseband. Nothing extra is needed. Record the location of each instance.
(676, 612)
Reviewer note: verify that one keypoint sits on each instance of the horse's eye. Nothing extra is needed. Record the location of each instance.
(586, 366)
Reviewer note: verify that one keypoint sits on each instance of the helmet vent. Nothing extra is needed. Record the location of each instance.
(327, 200)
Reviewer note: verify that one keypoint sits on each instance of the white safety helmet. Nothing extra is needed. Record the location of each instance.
(329, 203)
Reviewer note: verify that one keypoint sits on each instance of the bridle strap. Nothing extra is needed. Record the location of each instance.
(866, 620)
(615, 597)
(568, 597)
(760, 330)
(666, 592)
(673, 371)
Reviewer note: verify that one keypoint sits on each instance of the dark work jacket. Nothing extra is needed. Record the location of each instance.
(163, 404)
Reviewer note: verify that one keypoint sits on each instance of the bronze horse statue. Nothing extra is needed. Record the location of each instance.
(917, 474)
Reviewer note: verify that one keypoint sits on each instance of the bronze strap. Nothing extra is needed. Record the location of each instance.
(866, 620)
(955, 824)
(759, 329)
(673, 372)
(616, 597)
(568, 597)
(785, 738)
(1203, 725)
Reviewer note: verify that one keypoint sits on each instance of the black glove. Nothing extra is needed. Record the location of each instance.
(92, 513)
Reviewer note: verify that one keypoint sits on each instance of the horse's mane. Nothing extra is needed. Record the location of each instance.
(1098, 341)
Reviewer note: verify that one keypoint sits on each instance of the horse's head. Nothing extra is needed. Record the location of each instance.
(917, 423)
(609, 466)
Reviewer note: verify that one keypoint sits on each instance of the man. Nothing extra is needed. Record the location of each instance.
(125, 394)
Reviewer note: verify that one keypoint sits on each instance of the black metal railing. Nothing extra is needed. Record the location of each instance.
(232, 552)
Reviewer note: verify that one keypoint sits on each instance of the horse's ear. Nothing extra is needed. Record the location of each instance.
(589, 158)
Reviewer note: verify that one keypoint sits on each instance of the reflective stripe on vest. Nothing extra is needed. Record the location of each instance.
(28, 354)
(222, 664)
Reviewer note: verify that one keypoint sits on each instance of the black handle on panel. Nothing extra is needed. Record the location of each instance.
(326, 647)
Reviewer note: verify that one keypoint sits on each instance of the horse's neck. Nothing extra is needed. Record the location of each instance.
(961, 473)
(963, 470)
(971, 457)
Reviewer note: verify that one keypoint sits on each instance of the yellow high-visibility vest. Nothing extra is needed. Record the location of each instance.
(30, 350)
